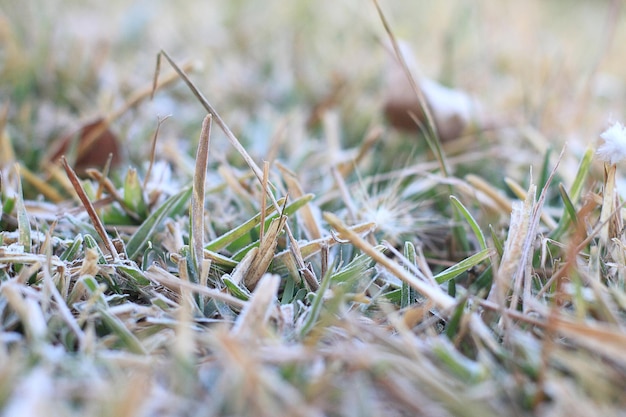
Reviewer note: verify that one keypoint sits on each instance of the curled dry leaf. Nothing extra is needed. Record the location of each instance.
(454, 112)
(91, 143)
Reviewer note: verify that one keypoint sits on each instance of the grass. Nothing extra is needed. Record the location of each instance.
(293, 254)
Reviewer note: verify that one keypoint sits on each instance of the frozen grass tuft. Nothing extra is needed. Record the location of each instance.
(293, 254)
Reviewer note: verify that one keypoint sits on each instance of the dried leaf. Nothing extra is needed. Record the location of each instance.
(91, 145)
(265, 254)
(454, 112)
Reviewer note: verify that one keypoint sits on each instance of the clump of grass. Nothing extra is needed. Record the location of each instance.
(200, 283)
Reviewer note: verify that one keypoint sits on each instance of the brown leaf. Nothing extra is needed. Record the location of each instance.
(92, 144)
(453, 111)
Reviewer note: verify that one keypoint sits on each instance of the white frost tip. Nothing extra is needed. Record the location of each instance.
(613, 150)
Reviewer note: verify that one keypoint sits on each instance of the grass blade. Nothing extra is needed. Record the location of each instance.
(245, 228)
(91, 211)
(23, 224)
(197, 201)
(139, 240)
(570, 210)
(457, 269)
(471, 221)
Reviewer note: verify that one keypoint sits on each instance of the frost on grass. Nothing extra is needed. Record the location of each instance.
(613, 150)
(339, 319)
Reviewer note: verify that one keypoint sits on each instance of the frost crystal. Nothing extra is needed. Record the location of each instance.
(613, 150)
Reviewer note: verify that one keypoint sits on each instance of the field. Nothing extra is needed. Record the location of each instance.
(330, 208)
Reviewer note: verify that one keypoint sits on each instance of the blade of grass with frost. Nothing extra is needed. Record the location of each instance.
(23, 224)
(574, 194)
(245, 228)
(90, 243)
(521, 194)
(235, 289)
(92, 287)
(464, 368)
(316, 306)
(441, 299)
(28, 310)
(69, 254)
(315, 246)
(570, 210)
(497, 242)
(172, 282)
(133, 194)
(355, 269)
(407, 293)
(467, 263)
(124, 335)
(139, 240)
(243, 266)
(134, 273)
(197, 200)
(220, 260)
(470, 220)
(62, 307)
(522, 275)
(266, 167)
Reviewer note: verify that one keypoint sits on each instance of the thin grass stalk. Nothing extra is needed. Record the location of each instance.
(91, 211)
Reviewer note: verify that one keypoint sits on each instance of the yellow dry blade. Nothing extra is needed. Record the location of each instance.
(238, 274)
(265, 254)
(256, 312)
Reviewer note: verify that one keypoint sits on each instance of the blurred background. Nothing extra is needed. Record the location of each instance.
(555, 69)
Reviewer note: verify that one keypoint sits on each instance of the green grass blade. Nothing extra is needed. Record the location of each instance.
(574, 195)
(220, 260)
(133, 273)
(471, 221)
(581, 175)
(125, 336)
(145, 232)
(72, 250)
(464, 265)
(407, 293)
(90, 243)
(569, 206)
(316, 306)
(455, 321)
(242, 230)
(497, 242)
(236, 290)
(133, 194)
(23, 224)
